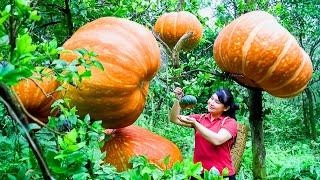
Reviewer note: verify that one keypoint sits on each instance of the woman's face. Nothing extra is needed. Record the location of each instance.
(215, 106)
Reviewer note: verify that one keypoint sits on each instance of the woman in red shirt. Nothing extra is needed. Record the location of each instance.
(215, 131)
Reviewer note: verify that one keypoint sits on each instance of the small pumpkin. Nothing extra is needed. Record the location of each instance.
(135, 141)
(32, 97)
(172, 26)
(130, 56)
(263, 55)
(187, 101)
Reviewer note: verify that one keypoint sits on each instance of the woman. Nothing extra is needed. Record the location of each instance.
(215, 131)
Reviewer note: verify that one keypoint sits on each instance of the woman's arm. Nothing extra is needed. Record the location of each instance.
(175, 116)
(214, 138)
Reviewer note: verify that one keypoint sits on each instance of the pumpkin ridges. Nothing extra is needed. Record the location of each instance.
(130, 56)
(263, 43)
(126, 34)
(297, 84)
(112, 50)
(134, 140)
(286, 68)
(297, 73)
(133, 108)
(236, 42)
(258, 62)
(233, 70)
(33, 99)
(172, 26)
(279, 57)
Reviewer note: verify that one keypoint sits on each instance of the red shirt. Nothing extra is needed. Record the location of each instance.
(211, 155)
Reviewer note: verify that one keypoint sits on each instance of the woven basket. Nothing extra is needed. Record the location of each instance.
(239, 147)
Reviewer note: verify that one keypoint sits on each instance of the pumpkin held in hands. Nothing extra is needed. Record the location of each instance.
(187, 101)
(172, 26)
(263, 54)
(131, 58)
(33, 98)
(135, 141)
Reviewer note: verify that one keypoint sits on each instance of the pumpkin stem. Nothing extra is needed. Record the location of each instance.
(177, 48)
(165, 45)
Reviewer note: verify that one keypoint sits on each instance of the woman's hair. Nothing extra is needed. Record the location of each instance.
(226, 98)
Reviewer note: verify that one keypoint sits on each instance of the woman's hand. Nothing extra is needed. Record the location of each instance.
(178, 92)
(187, 120)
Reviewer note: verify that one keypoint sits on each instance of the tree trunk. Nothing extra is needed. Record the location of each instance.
(306, 120)
(257, 134)
(310, 113)
(68, 17)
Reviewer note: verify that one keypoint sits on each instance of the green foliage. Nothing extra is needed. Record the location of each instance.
(142, 169)
(71, 145)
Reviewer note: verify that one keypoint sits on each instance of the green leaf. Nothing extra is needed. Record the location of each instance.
(6, 68)
(71, 137)
(225, 172)
(86, 74)
(34, 16)
(33, 126)
(24, 45)
(4, 18)
(166, 160)
(4, 40)
(62, 143)
(76, 147)
(87, 118)
(98, 65)
(11, 177)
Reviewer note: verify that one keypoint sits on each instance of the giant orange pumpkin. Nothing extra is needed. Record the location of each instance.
(134, 141)
(33, 99)
(263, 54)
(172, 26)
(131, 58)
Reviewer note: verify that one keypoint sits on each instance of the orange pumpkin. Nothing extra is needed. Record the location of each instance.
(172, 26)
(33, 99)
(263, 54)
(134, 141)
(131, 58)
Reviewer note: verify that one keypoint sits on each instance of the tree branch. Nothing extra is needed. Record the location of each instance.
(68, 17)
(48, 24)
(14, 110)
(314, 48)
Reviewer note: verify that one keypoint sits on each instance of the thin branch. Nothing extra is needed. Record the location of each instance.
(14, 110)
(31, 117)
(177, 48)
(48, 24)
(48, 95)
(314, 48)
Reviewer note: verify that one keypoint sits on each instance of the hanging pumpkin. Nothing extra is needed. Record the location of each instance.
(172, 26)
(263, 54)
(131, 58)
(34, 99)
(187, 102)
(134, 141)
